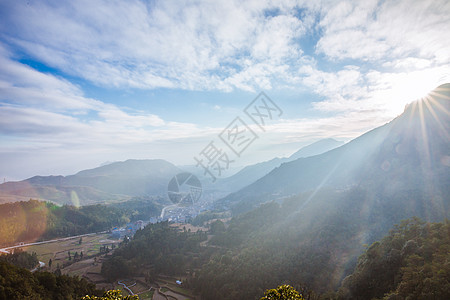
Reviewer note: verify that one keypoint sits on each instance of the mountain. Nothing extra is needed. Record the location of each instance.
(250, 174)
(408, 156)
(397, 267)
(121, 180)
(131, 177)
(75, 195)
(308, 221)
(112, 182)
(316, 148)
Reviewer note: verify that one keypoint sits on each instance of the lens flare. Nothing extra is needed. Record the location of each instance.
(74, 199)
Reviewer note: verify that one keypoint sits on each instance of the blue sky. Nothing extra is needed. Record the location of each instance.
(85, 82)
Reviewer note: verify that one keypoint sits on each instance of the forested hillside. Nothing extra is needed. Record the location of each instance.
(261, 249)
(412, 262)
(408, 157)
(157, 249)
(18, 284)
(312, 239)
(21, 259)
(141, 208)
(34, 220)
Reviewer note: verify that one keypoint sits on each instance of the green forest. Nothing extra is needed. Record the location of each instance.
(272, 245)
(18, 283)
(141, 208)
(157, 249)
(21, 259)
(250, 255)
(245, 259)
(412, 262)
(35, 220)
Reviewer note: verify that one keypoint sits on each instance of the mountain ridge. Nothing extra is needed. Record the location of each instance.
(379, 152)
(251, 173)
(122, 180)
(113, 182)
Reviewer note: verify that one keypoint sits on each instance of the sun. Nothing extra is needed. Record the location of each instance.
(411, 87)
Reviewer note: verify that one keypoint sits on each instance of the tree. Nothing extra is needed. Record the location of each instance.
(111, 295)
(19, 283)
(50, 263)
(282, 292)
(217, 227)
(21, 259)
(115, 268)
(80, 241)
(409, 263)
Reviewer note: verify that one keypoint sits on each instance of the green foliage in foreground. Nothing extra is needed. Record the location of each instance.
(111, 295)
(18, 283)
(283, 292)
(21, 259)
(412, 262)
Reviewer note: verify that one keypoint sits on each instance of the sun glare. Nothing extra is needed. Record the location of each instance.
(413, 87)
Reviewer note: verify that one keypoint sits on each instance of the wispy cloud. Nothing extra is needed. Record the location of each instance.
(372, 30)
(221, 45)
(361, 61)
(48, 108)
(168, 44)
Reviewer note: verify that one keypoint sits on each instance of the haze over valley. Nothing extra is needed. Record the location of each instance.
(227, 150)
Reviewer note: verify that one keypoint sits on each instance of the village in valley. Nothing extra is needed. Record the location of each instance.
(83, 256)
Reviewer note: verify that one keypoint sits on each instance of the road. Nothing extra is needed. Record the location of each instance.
(163, 212)
(7, 249)
(126, 287)
(41, 265)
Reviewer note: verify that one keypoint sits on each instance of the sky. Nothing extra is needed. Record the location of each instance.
(83, 83)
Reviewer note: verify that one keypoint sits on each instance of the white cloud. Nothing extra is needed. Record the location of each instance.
(223, 45)
(363, 61)
(372, 91)
(372, 30)
(163, 44)
(24, 121)
(45, 108)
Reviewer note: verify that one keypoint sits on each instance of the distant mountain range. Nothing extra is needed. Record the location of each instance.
(408, 156)
(305, 218)
(250, 174)
(308, 220)
(120, 181)
(405, 162)
(112, 182)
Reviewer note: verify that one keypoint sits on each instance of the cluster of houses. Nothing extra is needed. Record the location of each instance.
(173, 218)
(172, 215)
(129, 229)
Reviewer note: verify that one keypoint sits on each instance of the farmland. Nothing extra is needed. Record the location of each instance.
(89, 267)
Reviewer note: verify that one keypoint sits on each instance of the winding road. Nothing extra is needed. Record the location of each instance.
(126, 287)
(7, 249)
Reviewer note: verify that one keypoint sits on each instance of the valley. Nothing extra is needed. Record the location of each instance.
(86, 262)
(312, 221)
(225, 150)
